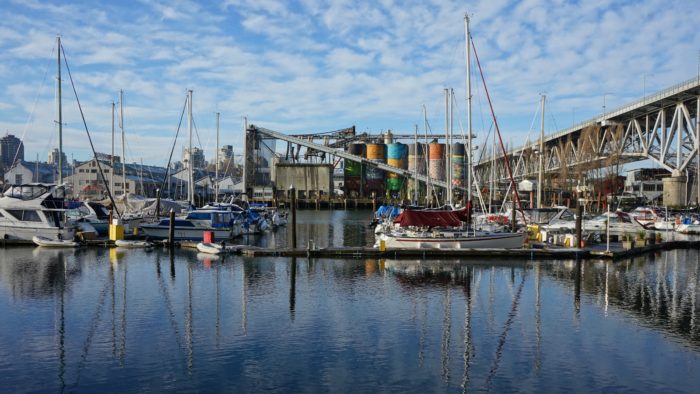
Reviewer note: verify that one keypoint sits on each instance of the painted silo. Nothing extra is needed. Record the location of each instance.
(457, 163)
(396, 157)
(436, 161)
(374, 178)
(353, 171)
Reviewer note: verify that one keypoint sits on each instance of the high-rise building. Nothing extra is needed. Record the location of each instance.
(53, 157)
(11, 150)
(225, 153)
(197, 157)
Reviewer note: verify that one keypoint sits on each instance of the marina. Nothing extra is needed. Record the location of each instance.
(135, 319)
(345, 197)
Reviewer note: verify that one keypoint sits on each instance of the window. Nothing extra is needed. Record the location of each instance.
(94, 171)
(18, 179)
(24, 215)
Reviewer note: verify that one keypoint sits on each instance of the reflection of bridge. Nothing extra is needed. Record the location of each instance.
(662, 127)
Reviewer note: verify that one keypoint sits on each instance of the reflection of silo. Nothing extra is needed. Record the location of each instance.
(396, 157)
(353, 171)
(457, 162)
(436, 161)
(374, 179)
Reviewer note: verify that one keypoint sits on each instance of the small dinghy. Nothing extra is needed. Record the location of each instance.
(132, 244)
(208, 247)
(53, 243)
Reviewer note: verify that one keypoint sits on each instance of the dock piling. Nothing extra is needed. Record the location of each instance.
(171, 229)
(294, 217)
(579, 222)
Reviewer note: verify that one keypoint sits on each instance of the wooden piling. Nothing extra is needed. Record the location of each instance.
(157, 215)
(171, 229)
(294, 217)
(579, 224)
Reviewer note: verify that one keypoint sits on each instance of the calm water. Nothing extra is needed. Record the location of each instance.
(110, 320)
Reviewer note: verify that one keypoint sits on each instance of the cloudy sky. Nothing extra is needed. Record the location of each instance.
(313, 65)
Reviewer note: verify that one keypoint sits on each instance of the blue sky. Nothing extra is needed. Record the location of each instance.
(311, 65)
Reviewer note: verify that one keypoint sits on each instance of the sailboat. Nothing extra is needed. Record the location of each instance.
(447, 227)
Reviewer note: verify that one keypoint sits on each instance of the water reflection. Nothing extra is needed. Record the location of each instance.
(117, 319)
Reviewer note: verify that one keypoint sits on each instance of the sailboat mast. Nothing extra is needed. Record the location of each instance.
(415, 166)
(216, 155)
(540, 172)
(448, 191)
(121, 124)
(111, 160)
(60, 116)
(425, 154)
(190, 162)
(469, 108)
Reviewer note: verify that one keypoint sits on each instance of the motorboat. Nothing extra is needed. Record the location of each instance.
(34, 209)
(193, 225)
(620, 223)
(96, 214)
(251, 221)
(551, 219)
(443, 229)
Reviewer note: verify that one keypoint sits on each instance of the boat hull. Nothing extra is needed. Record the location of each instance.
(183, 233)
(490, 241)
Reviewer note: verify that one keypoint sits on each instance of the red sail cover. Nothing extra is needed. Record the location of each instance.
(432, 218)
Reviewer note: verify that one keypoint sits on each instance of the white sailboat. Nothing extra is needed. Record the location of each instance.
(446, 228)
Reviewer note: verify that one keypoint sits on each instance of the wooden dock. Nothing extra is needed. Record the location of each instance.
(534, 251)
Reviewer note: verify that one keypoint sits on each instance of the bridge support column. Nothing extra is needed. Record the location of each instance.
(674, 190)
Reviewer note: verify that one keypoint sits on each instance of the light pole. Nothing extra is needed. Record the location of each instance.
(644, 84)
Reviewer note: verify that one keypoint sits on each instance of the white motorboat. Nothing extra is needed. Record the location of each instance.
(91, 212)
(53, 243)
(34, 209)
(209, 247)
(193, 225)
(620, 223)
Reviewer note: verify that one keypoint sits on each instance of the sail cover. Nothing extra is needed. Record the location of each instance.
(432, 218)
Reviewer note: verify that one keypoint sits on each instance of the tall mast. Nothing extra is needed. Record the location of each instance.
(449, 164)
(190, 163)
(415, 166)
(121, 124)
(60, 117)
(425, 158)
(448, 191)
(469, 108)
(540, 170)
(111, 161)
(141, 178)
(216, 176)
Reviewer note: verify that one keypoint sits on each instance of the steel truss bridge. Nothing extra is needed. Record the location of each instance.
(662, 127)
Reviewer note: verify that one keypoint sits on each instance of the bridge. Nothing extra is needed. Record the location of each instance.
(662, 127)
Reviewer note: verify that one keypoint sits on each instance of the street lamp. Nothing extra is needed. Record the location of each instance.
(644, 83)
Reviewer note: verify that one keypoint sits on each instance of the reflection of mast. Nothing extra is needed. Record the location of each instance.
(122, 352)
(423, 334)
(218, 303)
(538, 331)
(62, 326)
(577, 288)
(112, 279)
(292, 288)
(607, 274)
(446, 334)
(188, 320)
(504, 334)
(244, 296)
(467, 329)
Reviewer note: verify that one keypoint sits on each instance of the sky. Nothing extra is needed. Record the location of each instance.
(313, 66)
